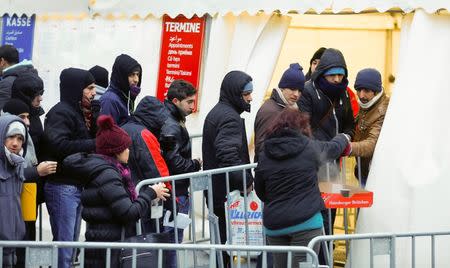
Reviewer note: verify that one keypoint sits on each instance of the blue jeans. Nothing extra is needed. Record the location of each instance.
(171, 255)
(64, 207)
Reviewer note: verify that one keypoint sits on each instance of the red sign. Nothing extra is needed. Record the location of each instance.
(181, 52)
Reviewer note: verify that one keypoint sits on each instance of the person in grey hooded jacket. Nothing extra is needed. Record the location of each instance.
(14, 135)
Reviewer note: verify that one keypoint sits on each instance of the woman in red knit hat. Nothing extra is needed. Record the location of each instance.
(110, 201)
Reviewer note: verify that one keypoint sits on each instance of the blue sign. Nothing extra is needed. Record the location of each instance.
(18, 32)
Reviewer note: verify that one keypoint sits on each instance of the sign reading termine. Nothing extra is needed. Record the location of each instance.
(181, 52)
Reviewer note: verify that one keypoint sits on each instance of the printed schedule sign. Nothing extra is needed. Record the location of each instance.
(181, 52)
(18, 32)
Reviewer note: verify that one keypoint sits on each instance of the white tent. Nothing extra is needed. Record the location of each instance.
(410, 168)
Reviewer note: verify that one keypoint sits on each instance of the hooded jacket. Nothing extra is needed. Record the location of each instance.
(178, 159)
(26, 87)
(286, 176)
(107, 205)
(327, 118)
(65, 131)
(266, 114)
(8, 77)
(224, 137)
(144, 126)
(117, 101)
(12, 226)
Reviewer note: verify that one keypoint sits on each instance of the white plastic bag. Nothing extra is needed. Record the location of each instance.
(237, 223)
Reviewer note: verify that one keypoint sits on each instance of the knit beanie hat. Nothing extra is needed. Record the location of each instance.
(369, 79)
(317, 55)
(111, 139)
(16, 128)
(293, 77)
(100, 75)
(335, 70)
(16, 107)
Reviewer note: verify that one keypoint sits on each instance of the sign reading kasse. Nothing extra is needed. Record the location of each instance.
(181, 52)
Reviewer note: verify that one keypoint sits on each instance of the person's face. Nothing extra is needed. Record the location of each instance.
(25, 118)
(36, 102)
(247, 97)
(334, 78)
(133, 78)
(3, 65)
(314, 64)
(14, 143)
(123, 156)
(89, 91)
(365, 95)
(291, 95)
(186, 105)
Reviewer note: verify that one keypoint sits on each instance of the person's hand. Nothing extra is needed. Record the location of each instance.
(46, 168)
(161, 191)
(249, 189)
(348, 150)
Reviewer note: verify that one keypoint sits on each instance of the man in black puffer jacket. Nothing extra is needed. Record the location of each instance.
(225, 141)
(66, 132)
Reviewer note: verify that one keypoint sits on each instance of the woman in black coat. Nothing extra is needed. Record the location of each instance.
(111, 205)
(286, 181)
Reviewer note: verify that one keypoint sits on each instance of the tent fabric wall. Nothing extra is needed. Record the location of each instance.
(409, 174)
(45, 7)
(89, 42)
(236, 7)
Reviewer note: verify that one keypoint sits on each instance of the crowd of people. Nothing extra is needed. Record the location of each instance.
(87, 157)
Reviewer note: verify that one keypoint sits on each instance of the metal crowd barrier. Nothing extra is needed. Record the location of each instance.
(202, 181)
(384, 243)
(46, 253)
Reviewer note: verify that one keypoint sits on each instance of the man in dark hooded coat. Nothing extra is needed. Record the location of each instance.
(225, 140)
(118, 100)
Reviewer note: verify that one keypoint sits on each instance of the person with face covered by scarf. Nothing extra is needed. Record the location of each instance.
(66, 132)
(225, 141)
(13, 133)
(124, 87)
(327, 102)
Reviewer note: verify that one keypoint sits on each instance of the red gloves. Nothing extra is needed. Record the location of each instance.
(348, 150)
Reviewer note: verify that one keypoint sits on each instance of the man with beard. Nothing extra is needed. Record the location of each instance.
(124, 87)
(326, 100)
(286, 95)
(373, 104)
(179, 103)
(66, 131)
(225, 142)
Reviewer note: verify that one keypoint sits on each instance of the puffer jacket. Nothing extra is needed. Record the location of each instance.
(224, 137)
(286, 176)
(327, 118)
(144, 128)
(368, 127)
(178, 159)
(65, 130)
(107, 205)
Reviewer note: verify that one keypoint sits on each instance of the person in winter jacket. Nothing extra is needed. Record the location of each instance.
(225, 141)
(179, 104)
(286, 95)
(286, 181)
(146, 160)
(373, 104)
(109, 199)
(66, 132)
(10, 68)
(32, 171)
(14, 135)
(124, 87)
(29, 88)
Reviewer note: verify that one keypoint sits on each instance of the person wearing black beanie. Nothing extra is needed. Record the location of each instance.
(66, 132)
(100, 75)
(16, 107)
(315, 60)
